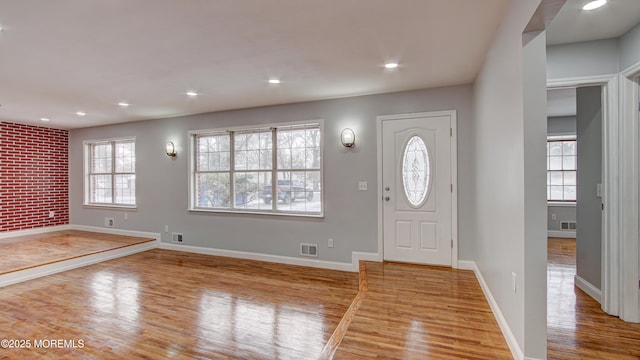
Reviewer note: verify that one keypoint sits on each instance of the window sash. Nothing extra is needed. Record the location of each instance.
(562, 169)
(269, 167)
(116, 193)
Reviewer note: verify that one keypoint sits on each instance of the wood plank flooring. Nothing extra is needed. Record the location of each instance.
(162, 304)
(25, 252)
(422, 312)
(576, 326)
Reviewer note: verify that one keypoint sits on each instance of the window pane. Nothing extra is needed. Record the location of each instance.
(101, 158)
(416, 171)
(212, 190)
(569, 163)
(125, 189)
(253, 151)
(213, 152)
(555, 163)
(253, 190)
(299, 191)
(569, 178)
(569, 193)
(299, 148)
(556, 193)
(569, 148)
(555, 178)
(284, 158)
(100, 189)
(555, 148)
(125, 157)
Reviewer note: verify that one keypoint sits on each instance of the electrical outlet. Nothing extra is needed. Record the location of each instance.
(52, 214)
(362, 185)
(330, 243)
(109, 222)
(514, 282)
(554, 217)
(166, 228)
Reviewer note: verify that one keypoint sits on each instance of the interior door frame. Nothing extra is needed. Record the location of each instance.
(454, 176)
(611, 268)
(630, 204)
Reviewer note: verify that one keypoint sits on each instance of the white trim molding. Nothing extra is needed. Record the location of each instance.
(116, 231)
(629, 301)
(289, 260)
(612, 198)
(588, 288)
(49, 269)
(35, 231)
(561, 234)
(509, 337)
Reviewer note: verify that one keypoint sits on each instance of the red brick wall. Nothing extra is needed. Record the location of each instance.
(34, 176)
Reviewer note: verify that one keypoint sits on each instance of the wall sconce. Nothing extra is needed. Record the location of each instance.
(171, 149)
(348, 138)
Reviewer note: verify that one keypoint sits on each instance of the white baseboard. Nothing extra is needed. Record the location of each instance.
(516, 351)
(561, 234)
(322, 264)
(44, 270)
(42, 230)
(588, 288)
(115, 231)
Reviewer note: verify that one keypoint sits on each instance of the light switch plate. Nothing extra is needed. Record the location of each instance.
(362, 186)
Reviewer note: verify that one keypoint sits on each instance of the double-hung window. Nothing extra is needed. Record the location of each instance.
(562, 161)
(110, 172)
(276, 169)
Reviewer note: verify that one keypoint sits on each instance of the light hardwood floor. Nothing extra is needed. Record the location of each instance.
(576, 326)
(24, 252)
(162, 304)
(422, 312)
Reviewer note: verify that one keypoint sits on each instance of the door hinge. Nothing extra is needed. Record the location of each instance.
(452, 243)
(450, 131)
(451, 187)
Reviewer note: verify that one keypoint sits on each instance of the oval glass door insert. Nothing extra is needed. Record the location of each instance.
(416, 171)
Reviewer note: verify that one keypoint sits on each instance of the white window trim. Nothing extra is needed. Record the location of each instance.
(562, 137)
(192, 166)
(87, 169)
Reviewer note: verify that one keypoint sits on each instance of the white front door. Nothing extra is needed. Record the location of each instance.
(417, 188)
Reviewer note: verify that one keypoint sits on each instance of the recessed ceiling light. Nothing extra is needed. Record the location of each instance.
(81, 113)
(45, 119)
(192, 93)
(123, 104)
(274, 81)
(594, 5)
(391, 65)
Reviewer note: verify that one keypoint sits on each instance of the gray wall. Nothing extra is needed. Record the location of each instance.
(588, 208)
(350, 215)
(499, 183)
(563, 213)
(535, 201)
(560, 125)
(582, 59)
(630, 48)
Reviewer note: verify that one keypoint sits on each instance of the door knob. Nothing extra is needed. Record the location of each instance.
(386, 198)
(387, 188)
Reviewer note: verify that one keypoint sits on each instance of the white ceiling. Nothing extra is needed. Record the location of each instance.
(561, 102)
(62, 56)
(572, 24)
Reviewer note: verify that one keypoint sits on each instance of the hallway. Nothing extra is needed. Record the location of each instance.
(576, 326)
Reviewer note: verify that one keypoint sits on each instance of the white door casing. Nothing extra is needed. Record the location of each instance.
(417, 195)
